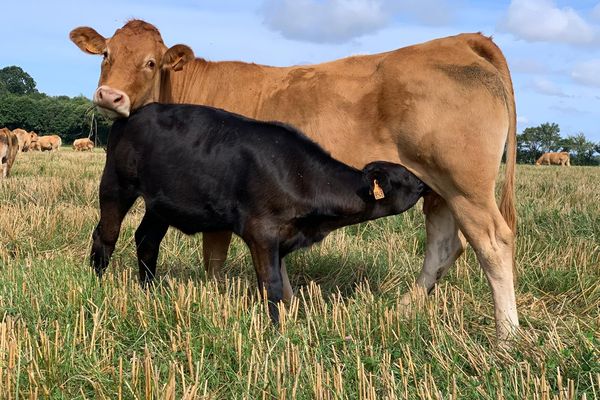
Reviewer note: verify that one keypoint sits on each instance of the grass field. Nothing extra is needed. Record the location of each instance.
(345, 336)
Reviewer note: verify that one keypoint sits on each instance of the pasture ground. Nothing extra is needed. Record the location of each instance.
(346, 336)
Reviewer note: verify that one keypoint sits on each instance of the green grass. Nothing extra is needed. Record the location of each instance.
(346, 335)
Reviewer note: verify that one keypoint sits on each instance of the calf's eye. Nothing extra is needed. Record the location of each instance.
(150, 64)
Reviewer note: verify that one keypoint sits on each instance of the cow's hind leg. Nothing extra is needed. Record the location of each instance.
(148, 236)
(445, 244)
(113, 208)
(215, 246)
(493, 242)
(214, 250)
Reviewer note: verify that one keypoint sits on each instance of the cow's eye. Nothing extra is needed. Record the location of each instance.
(105, 55)
(150, 64)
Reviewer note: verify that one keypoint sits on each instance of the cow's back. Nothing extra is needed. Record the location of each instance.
(396, 106)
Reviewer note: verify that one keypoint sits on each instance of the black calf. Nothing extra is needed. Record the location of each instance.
(201, 169)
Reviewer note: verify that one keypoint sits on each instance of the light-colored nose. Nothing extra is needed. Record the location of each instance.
(113, 100)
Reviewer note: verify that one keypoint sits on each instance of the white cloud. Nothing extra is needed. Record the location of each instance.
(522, 119)
(331, 21)
(596, 12)
(338, 21)
(527, 66)
(544, 86)
(569, 110)
(543, 21)
(587, 73)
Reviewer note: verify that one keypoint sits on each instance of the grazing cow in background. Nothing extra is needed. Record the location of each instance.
(24, 138)
(563, 159)
(83, 144)
(49, 143)
(405, 106)
(33, 139)
(266, 182)
(9, 147)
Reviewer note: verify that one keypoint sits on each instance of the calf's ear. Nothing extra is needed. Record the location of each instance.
(177, 56)
(378, 180)
(88, 40)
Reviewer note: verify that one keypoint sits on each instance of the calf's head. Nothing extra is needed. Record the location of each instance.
(133, 60)
(397, 184)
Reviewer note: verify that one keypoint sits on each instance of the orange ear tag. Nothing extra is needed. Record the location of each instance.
(377, 190)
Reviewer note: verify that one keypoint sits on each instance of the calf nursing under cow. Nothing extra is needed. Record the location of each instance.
(382, 106)
(202, 169)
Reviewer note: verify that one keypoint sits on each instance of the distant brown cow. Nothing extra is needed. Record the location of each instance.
(422, 106)
(49, 142)
(23, 137)
(9, 147)
(83, 144)
(563, 159)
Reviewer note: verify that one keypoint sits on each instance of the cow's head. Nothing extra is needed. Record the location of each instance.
(131, 68)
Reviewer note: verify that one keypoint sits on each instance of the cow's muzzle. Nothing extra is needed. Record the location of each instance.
(113, 103)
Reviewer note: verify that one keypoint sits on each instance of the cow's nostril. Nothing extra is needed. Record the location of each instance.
(100, 94)
(118, 99)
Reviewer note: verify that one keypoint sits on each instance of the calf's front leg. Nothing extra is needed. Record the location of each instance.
(114, 205)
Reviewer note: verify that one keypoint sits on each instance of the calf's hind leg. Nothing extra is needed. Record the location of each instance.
(148, 236)
(215, 246)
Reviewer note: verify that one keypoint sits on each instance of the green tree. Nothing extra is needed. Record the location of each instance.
(582, 150)
(16, 81)
(537, 140)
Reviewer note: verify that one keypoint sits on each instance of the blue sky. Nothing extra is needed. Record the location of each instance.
(552, 46)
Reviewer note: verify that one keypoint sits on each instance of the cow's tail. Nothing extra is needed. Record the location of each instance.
(507, 197)
(487, 49)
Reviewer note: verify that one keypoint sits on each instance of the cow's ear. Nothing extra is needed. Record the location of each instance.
(176, 57)
(88, 40)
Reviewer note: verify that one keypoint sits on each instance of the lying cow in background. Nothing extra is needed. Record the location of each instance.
(83, 144)
(48, 143)
(9, 147)
(563, 159)
(266, 182)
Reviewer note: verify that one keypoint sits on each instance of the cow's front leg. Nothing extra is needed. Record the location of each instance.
(148, 236)
(114, 205)
(265, 256)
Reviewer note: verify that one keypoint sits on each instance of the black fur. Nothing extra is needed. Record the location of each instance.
(202, 169)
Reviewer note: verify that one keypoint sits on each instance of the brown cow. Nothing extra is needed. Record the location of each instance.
(563, 159)
(423, 106)
(9, 147)
(24, 138)
(49, 143)
(83, 144)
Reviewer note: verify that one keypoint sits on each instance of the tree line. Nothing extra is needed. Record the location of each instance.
(23, 106)
(534, 141)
